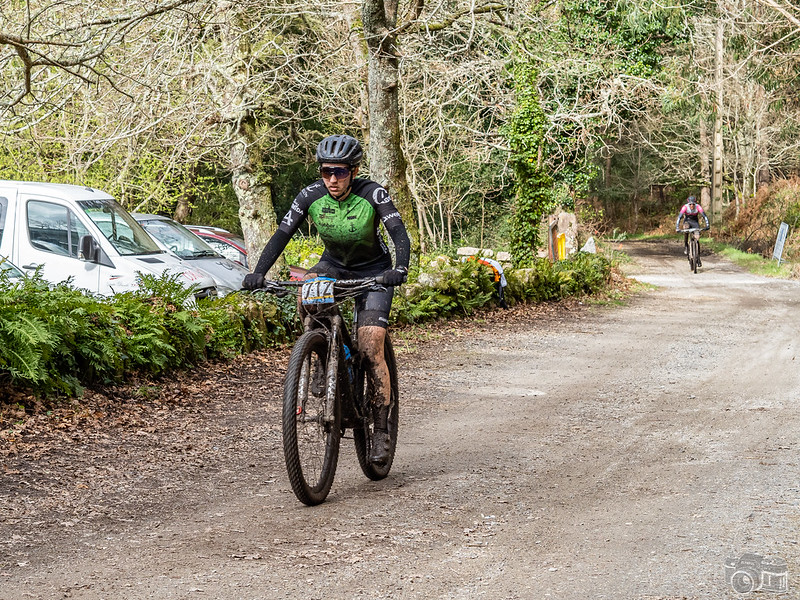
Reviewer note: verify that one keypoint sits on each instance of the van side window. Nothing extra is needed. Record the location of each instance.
(54, 228)
(3, 211)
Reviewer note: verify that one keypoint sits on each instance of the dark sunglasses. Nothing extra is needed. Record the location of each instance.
(328, 172)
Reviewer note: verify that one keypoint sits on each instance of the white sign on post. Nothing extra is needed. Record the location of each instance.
(783, 231)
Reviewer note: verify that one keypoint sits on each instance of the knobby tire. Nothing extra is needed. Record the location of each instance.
(310, 443)
(362, 435)
(693, 255)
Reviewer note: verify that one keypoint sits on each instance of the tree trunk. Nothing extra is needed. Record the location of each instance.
(716, 204)
(387, 164)
(253, 191)
(359, 49)
(705, 161)
(423, 225)
(250, 184)
(183, 207)
(762, 175)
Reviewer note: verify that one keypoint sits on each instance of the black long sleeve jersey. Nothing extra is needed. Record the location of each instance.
(349, 228)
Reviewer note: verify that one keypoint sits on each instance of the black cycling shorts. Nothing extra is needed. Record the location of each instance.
(372, 307)
(693, 224)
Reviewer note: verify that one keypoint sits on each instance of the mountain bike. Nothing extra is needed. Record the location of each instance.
(327, 389)
(694, 246)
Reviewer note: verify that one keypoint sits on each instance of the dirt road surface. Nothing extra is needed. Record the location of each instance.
(581, 452)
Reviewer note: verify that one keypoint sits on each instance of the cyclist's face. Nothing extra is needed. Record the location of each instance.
(331, 177)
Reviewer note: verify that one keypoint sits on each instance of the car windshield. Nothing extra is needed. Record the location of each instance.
(178, 239)
(124, 233)
(225, 243)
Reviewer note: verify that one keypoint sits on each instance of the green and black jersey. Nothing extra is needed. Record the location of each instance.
(349, 227)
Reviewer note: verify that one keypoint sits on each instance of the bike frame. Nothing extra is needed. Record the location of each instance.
(694, 241)
(329, 320)
(337, 370)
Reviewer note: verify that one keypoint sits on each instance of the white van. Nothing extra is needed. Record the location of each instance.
(83, 233)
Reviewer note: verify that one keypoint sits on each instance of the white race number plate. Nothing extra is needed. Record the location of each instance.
(317, 291)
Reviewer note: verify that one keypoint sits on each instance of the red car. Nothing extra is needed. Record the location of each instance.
(228, 244)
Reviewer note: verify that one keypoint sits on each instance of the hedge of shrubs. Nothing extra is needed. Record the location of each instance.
(56, 340)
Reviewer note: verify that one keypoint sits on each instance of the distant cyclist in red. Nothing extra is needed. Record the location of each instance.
(691, 213)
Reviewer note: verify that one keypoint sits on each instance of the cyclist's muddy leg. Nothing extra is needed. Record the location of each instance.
(373, 318)
(371, 340)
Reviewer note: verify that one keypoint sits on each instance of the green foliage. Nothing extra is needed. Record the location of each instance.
(212, 201)
(48, 335)
(25, 340)
(580, 274)
(600, 63)
(54, 339)
(292, 176)
(525, 133)
(444, 287)
(139, 179)
(787, 199)
(635, 32)
(303, 251)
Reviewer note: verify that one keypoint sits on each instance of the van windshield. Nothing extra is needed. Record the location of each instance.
(8, 271)
(124, 233)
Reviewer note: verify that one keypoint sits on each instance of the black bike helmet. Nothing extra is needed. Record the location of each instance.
(691, 200)
(342, 149)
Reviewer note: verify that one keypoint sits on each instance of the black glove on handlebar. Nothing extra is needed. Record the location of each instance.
(395, 277)
(253, 281)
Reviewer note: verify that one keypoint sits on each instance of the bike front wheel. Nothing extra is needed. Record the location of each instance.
(694, 255)
(363, 434)
(310, 434)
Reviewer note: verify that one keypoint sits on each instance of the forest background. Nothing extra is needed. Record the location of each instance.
(480, 116)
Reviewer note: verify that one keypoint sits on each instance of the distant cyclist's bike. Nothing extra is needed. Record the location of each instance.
(694, 246)
(327, 389)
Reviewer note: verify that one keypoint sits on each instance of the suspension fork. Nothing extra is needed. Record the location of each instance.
(334, 356)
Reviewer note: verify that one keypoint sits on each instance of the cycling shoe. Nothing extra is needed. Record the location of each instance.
(380, 447)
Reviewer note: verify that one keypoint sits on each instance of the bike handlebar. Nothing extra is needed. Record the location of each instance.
(692, 229)
(367, 284)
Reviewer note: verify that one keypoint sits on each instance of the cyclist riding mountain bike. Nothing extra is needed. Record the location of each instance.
(691, 213)
(347, 213)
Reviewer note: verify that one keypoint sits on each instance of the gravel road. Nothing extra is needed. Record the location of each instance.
(578, 451)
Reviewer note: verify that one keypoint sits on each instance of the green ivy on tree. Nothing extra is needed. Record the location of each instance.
(533, 185)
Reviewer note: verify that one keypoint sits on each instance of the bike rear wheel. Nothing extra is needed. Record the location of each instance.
(363, 434)
(310, 437)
